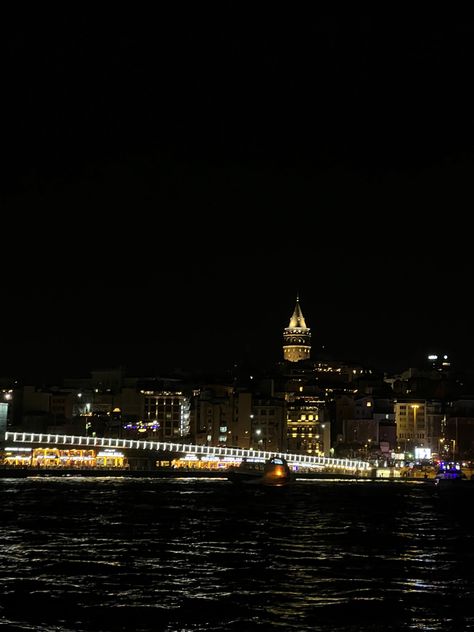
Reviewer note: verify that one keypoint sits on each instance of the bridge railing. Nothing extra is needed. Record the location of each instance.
(302, 460)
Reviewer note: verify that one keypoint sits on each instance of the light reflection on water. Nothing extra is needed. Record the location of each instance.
(187, 554)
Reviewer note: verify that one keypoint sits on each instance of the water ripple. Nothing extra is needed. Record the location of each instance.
(175, 555)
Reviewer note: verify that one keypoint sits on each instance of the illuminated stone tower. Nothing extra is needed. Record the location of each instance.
(296, 337)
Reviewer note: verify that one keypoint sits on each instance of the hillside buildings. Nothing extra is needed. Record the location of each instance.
(316, 406)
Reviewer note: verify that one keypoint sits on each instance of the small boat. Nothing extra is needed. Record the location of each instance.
(275, 471)
(448, 475)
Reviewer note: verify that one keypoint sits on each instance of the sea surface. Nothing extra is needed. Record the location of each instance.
(116, 554)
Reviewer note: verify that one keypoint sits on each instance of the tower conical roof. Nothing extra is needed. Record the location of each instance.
(297, 320)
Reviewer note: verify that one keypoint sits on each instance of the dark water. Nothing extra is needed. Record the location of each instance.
(190, 555)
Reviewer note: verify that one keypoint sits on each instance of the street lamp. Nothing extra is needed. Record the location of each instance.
(440, 446)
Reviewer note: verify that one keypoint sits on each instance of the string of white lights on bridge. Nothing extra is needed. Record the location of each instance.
(302, 460)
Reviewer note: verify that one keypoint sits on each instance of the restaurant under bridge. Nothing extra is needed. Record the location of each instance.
(158, 452)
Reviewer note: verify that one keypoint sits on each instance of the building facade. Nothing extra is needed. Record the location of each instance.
(410, 420)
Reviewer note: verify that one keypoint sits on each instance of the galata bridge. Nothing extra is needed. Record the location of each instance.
(300, 462)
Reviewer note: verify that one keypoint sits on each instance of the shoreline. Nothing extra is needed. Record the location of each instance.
(180, 473)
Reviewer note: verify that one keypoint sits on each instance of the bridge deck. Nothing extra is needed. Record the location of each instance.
(302, 460)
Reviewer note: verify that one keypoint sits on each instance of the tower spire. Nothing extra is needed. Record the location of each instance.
(297, 336)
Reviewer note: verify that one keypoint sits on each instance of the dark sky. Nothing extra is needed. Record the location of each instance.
(172, 180)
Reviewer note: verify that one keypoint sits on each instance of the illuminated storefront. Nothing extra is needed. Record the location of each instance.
(17, 457)
(56, 458)
(191, 461)
(111, 459)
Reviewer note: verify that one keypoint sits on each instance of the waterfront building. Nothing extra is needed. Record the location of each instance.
(167, 412)
(268, 427)
(221, 416)
(410, 420)
(307, 432)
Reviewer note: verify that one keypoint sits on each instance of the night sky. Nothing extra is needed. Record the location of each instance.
(170, 182)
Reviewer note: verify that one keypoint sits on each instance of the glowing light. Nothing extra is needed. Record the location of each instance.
(204, 450)
(18, 449)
